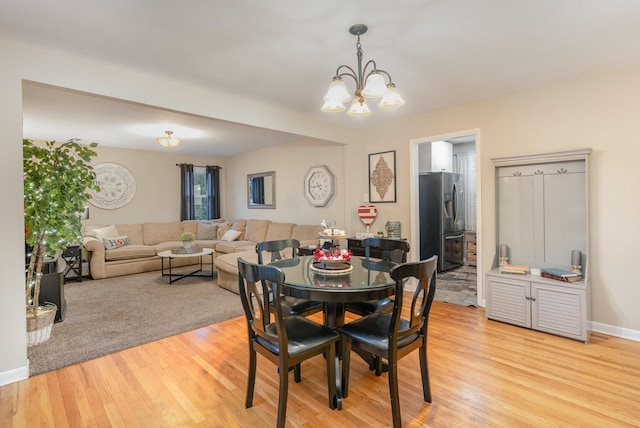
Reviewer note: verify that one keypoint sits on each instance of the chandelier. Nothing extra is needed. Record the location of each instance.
(169, 141)
(370, 83)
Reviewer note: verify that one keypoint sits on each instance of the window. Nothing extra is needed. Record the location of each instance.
(200, 193)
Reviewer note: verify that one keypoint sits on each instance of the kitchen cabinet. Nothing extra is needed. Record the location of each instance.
(542, 216)
(542, 304)
(471, 254)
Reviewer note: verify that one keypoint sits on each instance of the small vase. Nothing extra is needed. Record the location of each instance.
(187, 244)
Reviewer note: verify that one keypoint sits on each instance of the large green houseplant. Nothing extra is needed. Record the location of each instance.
(57, 181)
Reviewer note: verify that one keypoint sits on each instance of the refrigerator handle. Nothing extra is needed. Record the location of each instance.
(455, 202)
(454, 236)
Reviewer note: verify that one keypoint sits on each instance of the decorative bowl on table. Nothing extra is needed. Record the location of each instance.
(334, 260)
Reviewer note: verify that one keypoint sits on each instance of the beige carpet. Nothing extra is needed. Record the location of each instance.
(109, 315)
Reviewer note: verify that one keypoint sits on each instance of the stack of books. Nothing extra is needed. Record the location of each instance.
(515, 269)
(559, 274)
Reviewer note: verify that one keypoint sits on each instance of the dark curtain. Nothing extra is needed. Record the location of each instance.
(187, 205)
(213, 191)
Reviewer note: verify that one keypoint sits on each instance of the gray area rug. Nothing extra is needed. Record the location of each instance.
(108, 315)
(458, 286)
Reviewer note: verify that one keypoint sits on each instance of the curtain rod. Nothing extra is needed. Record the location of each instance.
(201, 166)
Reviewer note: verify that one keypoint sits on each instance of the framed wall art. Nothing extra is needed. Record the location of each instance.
(117, 186)
(382, 177)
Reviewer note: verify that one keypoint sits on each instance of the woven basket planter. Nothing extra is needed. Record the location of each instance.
(39, 325)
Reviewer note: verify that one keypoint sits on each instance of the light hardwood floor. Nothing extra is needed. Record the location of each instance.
(483, 374)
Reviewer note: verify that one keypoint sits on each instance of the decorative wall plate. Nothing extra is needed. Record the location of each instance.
(117, 186)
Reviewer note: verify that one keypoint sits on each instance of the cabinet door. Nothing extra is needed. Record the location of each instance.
(560, 310)
(507, 301)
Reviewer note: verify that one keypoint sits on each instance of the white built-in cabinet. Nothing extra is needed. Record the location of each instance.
(436, 156)
(542, 215)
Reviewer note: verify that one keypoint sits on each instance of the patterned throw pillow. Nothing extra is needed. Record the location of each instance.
(222, 229)
(117, 242)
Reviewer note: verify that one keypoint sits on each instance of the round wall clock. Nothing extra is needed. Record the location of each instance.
(319, 186)
(117, 186)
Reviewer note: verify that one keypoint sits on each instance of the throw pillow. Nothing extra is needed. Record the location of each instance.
(240, 225)
(117, 242)
(207, 231)
(222, 229)
(231, 235)
(105, 232)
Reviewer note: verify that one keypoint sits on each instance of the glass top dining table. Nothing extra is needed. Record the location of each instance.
(369, 279)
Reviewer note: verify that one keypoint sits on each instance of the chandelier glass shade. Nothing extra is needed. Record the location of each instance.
(371, 82)
(169, 141)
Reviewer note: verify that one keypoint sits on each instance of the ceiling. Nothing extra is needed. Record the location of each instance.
(440, 53)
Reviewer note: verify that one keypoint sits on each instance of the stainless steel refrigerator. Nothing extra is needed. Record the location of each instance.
(442, 218)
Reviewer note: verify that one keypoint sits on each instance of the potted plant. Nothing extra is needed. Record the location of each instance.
(187, 239)
(57, 180)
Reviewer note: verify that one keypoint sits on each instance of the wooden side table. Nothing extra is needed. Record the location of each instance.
(72, 256)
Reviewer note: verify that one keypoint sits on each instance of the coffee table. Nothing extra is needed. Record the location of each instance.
(173, 277)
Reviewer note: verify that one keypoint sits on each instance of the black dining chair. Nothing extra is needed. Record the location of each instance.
(393, 250)
(389, 336)
(280, 249)
(285, 341)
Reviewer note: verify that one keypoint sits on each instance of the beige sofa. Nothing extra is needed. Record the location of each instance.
(146, 240)
(227, 264)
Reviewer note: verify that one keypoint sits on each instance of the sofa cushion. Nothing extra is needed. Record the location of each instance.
(133, 231)
(154, 233)
(256, 230)
(207, 230)
(278, 231)
(229, 262)
(190, 226)
(233, 246)
(117, 242)
(102, 232)
(130, 252)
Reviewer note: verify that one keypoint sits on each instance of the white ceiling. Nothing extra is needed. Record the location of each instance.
(284, 52)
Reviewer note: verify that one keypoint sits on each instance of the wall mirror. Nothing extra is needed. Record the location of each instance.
(261, 190)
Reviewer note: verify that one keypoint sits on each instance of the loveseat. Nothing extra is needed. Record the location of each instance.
(124, 249)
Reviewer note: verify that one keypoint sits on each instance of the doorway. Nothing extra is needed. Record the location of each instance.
(453, 153)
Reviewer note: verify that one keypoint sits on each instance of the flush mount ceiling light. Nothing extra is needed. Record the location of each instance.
(369, 84)
(169, 141)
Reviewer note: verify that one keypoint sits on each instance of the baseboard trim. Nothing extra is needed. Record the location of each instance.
(612, 330)
(14, 375)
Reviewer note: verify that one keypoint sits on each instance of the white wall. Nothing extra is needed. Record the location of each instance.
(291, 162)
(13, 326)
(157, 178)
(598, 112)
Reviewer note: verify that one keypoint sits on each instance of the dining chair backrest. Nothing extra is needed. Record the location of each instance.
(278, 249)
(425, 273)
(256, 297)
(394, 250)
